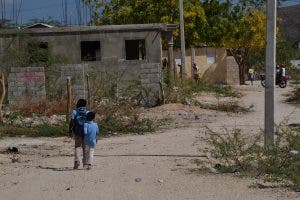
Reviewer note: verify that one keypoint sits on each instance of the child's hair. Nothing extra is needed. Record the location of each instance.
(90, 116)
(81, 103)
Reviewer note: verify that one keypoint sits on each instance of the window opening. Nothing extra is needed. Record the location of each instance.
(90, 51)
(135, 49)
(38, 52)
(211, 56)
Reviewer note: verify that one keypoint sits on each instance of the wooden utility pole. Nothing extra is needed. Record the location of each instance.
(182, 40)
(69, 100)
(2, 95)
(270, 74)
(88, 92)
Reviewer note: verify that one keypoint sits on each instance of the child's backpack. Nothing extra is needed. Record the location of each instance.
(80, 119)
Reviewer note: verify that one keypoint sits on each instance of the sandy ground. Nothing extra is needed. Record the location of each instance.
(150, 167)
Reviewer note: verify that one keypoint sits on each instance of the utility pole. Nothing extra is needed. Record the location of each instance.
(270, 74)
(182, 40)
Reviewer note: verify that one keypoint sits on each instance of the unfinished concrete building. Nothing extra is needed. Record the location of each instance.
(124, 53)
(131, 52)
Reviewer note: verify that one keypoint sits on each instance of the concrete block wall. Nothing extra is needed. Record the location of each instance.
(77, 75)
(151, 76)
(26, 84)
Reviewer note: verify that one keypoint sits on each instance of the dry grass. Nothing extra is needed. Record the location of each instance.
(295, 74)
(45, 108)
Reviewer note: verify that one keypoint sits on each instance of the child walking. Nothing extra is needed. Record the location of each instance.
(91, 130)
(78, 118)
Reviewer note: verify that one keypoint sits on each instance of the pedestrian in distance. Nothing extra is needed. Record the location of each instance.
(251, 75)
(76, 128)
(195, 72)
(91, 130)
(282, 71)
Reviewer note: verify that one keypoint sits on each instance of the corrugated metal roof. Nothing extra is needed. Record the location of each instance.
(39, 25)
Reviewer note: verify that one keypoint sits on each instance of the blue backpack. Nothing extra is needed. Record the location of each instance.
(80, 119)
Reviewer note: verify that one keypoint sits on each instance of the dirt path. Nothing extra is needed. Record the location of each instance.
(157, 166)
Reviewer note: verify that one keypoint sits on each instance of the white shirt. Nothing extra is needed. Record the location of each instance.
(283, 72)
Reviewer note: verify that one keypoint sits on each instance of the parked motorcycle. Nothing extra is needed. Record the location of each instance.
(281, 82)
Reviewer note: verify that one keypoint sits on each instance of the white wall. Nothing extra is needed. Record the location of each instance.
(296, 63)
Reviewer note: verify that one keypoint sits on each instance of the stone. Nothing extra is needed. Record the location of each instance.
(160, 181)
(15, 160)
(12, 150)
(213, 170)
(138, 180)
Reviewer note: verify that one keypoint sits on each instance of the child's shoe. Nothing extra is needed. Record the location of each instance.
(76, 165)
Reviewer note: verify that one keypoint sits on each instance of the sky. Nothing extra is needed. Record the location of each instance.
(29, 9)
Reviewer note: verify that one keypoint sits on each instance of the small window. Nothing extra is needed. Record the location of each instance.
(38, 52)
(211, 56)
(90, 51)
(135, 49)
(43, 45)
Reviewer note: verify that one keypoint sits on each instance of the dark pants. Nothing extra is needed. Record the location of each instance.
(79, 143)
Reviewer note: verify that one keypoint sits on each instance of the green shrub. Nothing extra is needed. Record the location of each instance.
(112, 124)
(231, 149)
(234, 151)
(36, 131)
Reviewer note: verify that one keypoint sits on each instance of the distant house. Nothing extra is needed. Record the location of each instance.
(39, 25)
(133, 52)
(214, 65)
(296, 63)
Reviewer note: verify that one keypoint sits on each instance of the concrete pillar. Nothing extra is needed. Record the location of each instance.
(270, 74)
(171, 55)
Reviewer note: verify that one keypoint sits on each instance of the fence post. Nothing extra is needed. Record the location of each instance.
(2, 95)
(69, 100)
(88, 92)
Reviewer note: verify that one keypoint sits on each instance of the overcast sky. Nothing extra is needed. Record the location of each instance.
(30, 9)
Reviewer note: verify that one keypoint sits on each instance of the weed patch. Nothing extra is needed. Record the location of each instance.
(110, 125)
(230, 107)
(295, 97)
(232, 151)
(189, 89)
(41, 108)
(37, 131)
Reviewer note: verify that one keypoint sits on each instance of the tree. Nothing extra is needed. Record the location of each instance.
(241, 30)
(248, 36)
(284, 54)
(150, 11)
(239, 27)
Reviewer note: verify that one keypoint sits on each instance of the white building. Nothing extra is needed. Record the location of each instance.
(296, 63)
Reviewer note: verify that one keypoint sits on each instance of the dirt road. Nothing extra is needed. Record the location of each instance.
(150, 167)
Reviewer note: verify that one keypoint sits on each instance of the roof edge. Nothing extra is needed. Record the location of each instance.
(105, 28)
